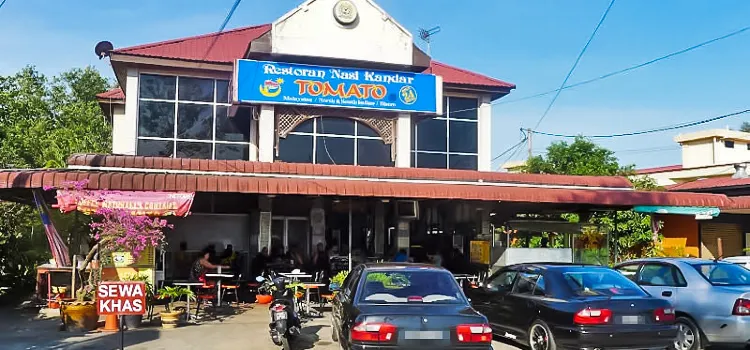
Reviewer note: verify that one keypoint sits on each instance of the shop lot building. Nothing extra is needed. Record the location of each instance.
(327, 126)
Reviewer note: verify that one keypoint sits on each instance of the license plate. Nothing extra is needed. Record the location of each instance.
(279, 316)
(631, 319)
(424, 335)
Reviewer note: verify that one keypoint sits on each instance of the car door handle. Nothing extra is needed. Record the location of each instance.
(666, 293)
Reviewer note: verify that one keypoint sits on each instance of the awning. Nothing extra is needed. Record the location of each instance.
(354, 187)
(696, 211)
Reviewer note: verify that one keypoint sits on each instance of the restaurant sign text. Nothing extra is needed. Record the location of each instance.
(298, 84)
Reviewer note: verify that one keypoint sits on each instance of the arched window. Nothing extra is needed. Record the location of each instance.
(333, 140)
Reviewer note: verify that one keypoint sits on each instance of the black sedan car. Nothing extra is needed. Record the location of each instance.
(550, 306)
(406, 306)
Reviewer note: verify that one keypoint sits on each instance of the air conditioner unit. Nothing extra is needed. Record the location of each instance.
(407, 209)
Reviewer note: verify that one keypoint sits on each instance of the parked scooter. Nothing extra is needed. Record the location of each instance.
(285, 323)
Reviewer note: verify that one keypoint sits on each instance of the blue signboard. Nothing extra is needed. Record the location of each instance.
(298, 84)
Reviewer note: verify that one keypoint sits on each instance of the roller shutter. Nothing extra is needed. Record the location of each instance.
(731, 239)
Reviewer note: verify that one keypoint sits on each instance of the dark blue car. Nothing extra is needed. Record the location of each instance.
(406, 306)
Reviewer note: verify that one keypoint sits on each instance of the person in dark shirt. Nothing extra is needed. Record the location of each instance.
(198, 269)
(260, 262)
(401, 256)
(321, 260)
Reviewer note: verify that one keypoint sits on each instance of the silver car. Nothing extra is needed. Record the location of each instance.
(711, 298)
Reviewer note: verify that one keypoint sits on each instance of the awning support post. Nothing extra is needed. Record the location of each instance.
(350, 235)
(616, 240)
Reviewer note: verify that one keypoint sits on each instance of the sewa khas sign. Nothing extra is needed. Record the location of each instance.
(121, 298)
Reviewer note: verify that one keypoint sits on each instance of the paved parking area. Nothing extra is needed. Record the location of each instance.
(245, 330)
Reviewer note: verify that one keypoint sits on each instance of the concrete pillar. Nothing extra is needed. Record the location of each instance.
(484, 137)
(403, 140)
(379, 227)
(125, 128)
(254, 138)
(266, 133)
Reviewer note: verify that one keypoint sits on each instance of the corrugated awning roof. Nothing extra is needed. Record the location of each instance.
(276, 169)
(120, 180)
(710, 183)
(193, 175)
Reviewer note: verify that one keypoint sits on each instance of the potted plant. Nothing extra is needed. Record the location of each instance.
(170, 318)
(81, 314)
(135, 321)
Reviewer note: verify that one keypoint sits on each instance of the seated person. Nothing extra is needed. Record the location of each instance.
(198, 269)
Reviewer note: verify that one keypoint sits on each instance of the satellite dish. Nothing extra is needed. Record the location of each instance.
(103, 48)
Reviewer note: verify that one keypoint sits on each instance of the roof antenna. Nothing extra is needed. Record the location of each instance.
(426, 36)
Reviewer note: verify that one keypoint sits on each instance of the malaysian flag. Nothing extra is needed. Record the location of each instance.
(56, 243)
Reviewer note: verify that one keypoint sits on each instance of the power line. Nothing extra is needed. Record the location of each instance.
(509, 149)
(2, 3)
(575, 64)
(664, 128)
(221, 29)
(513, 155)
(641, 65)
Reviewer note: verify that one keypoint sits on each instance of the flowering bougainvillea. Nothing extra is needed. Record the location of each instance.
(118, 230)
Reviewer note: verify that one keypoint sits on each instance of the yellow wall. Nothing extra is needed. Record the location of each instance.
(680, 235)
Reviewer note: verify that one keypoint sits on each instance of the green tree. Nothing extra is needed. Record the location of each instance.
(42, 122)
(583, 157)
(745, 127)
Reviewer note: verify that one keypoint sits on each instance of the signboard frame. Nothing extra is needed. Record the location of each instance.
(101, 298)
(381, 84)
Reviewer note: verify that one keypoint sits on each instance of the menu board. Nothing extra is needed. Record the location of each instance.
(480, 252)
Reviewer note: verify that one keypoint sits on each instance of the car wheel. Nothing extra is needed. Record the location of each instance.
(540, 337)
(688, 335)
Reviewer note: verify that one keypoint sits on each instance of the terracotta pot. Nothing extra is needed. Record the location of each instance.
(79, 316)
(171, 319)
(263, 299)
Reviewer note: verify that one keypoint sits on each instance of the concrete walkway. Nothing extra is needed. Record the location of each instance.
(247, 329)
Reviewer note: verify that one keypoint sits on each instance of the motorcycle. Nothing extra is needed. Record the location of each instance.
(285, 323)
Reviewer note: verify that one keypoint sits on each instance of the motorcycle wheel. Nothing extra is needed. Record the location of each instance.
(286, 343)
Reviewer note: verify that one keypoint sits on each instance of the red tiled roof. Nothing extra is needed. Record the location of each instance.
(455, 75)
(228, 46)
(134, 181)
(715, 182)
(232, 44)
(113, 94)
(659, 169)
(114, 162)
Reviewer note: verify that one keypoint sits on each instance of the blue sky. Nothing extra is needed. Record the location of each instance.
(529, 43)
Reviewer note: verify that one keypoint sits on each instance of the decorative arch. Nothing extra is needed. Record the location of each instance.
(289, 118)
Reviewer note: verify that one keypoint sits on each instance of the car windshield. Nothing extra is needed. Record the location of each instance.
(599, 281)
(724, 274)
(420, 286)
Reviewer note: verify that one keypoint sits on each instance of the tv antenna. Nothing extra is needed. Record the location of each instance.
(426, 35)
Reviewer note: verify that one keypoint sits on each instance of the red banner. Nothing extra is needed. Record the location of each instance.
(137, 203)
(121, 298)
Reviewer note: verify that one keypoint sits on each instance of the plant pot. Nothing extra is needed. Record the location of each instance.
(171, 319)
(79, 316)
(133, 321)
(263, 299)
